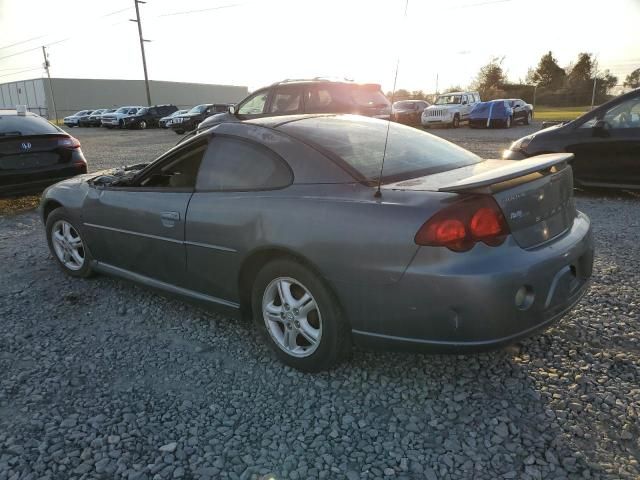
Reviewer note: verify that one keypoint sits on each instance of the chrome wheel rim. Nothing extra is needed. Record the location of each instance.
(292, 317)
(67, 245)
(143, 125)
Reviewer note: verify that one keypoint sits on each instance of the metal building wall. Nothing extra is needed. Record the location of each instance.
(25, 92)
(73, 94)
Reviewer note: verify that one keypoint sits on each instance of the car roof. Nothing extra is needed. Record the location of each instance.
(8, 113)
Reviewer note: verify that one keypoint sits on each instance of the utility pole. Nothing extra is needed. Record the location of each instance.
(53, 100)
(142, 40)
(593, 95)
(437, 83)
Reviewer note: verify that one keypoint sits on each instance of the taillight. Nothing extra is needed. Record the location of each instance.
(69, 142)
(464, 223)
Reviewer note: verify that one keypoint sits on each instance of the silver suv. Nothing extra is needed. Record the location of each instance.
(450, 109)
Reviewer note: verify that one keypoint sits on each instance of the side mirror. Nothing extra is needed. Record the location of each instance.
(232, 109)
(464, 102)
(601, 129)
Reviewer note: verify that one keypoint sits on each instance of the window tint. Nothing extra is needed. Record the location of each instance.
(286, 100)
(26, 125)
(319, 100)
(232, 164)
(624, 115)
(360, 142)
(179, 172)
(254, 105)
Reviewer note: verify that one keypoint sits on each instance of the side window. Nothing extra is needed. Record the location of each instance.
(319, 100)
(179, 172)
(231, 164)
(465, 100)
(152, 111)
(254, 105)
(624, 115)
(286, 100)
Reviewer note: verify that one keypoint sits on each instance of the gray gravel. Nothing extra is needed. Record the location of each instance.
(103, 379)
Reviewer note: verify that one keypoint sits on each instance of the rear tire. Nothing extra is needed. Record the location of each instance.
(298, 316)
(179, 132)
(67, 245)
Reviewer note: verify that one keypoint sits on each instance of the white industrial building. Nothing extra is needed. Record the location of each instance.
(74, 94)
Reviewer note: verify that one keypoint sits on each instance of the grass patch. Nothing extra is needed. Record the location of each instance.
(545, 114)
(12, 206)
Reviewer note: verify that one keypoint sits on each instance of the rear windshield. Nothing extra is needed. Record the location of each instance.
(360, 143)
(404, 105)
(360, 95)
(25, 125)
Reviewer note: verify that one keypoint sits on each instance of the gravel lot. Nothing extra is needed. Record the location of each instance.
(103, 379)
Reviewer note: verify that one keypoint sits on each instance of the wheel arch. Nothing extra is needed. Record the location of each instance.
(258, 258)
(49, 206)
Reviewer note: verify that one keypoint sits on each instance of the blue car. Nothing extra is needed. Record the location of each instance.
(495, 113)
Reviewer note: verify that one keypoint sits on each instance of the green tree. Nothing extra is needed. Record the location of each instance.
(582, 72)
(633, 79)
(490, 78)
(548, 73)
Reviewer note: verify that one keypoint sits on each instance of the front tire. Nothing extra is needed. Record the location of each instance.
(507, 122)
(456, 121)
(142, 125)
(528, 118)
(67, 245)
(298, 316)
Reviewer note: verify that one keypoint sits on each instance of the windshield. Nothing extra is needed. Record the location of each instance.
(448, 99)
(367, 96)
(178, 112)
(360, 142)
(97, 112)
(198, 109)
(142, 111)
(17, 125)
(122, 110)
(404, 105)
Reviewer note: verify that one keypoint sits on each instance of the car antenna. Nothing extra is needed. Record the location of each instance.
(378, 193)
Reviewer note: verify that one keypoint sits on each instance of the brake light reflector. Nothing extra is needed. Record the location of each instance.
(69, 142)
(462, 224)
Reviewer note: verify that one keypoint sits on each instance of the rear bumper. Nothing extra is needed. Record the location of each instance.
(36, 182)
(452, 302)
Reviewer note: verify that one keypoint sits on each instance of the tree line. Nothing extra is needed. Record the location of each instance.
(548, 82)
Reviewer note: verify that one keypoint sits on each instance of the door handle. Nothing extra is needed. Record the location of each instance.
(169, 219)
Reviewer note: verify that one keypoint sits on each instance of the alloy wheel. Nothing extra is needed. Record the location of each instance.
(143, 125)
(292, 317)
(68, 245)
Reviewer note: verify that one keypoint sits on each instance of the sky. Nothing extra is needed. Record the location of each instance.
(258, 42)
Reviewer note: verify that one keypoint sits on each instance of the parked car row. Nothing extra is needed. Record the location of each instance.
(452, 109)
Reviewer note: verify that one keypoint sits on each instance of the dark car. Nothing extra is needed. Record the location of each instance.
(83, 119)
(35, 153)
(309, 96)
(408, 112)
(95, 119)
(190, 120)
(522, 111)
(165, 122)
(282, 218)
(604, 141)
(148, 117)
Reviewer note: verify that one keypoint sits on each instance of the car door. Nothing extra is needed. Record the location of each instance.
(466, 106)
(140, 228)
(607, 145)
(224, 218)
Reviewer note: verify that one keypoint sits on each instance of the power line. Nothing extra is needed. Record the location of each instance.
(46, 35)
(187, 12)
(21, 71)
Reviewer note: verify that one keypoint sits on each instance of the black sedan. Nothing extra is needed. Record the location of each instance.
(190, 120)
(605, 142)
(35, 153)
(408, 112)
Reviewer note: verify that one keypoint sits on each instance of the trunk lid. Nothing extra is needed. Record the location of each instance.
(535, 195)
(31, 152)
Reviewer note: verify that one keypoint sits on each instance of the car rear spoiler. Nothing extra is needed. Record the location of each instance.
(511, 170)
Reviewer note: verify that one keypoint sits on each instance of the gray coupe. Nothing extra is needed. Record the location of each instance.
(295, 221)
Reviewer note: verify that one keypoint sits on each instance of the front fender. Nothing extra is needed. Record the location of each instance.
(69, 194)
